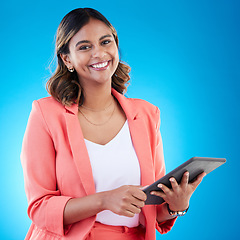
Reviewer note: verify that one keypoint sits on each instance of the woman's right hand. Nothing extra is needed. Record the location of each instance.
(126, 200)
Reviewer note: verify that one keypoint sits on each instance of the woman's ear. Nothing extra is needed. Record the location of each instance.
(66, 60)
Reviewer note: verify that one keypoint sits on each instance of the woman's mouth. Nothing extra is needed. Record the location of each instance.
(100, 66)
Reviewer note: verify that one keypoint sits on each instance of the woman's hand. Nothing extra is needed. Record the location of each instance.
(126, 200)
(178, 197)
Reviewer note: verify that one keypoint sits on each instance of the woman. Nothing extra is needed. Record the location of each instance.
(88, 151)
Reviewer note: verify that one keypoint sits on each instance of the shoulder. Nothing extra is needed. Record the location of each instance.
(135, 105)
(145, 110)
(144, 106)
(47, 110)
(47, 105)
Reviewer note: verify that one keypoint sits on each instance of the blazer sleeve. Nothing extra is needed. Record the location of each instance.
(46, 205)
(165, 226)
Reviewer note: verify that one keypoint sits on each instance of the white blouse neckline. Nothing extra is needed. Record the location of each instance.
(112, 140)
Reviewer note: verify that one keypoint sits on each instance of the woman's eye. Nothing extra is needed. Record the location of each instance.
(84, 47)
(106, 42)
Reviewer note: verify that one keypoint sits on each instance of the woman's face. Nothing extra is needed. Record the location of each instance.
(93, 53)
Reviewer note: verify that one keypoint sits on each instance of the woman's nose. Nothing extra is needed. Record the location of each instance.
(98, 52)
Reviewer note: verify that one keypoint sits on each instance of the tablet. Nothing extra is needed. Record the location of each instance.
(194, 166)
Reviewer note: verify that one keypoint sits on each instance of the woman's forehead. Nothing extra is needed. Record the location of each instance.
(93, 30)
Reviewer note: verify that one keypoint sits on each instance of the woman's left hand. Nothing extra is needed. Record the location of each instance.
(178, 197)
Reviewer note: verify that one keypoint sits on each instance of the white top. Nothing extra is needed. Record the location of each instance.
(113, 165)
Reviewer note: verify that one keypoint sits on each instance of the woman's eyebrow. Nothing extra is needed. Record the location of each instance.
(108, 35)
(83, 41)
(87, 41)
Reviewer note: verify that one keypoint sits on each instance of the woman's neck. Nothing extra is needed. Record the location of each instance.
(97, 98)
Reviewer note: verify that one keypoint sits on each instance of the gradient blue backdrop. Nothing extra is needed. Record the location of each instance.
(185, 59)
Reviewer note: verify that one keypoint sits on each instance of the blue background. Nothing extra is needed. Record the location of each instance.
(185, 59)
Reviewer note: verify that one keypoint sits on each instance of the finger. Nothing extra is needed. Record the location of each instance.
(128, 214)
(142, 188)
(174, 184)
(164, 188)
(198, 180)
(138, 203)
(139, 194)
(185, 179)
(134, 209)
(158, 193)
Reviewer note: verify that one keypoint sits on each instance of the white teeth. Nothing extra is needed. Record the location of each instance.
(101, 65)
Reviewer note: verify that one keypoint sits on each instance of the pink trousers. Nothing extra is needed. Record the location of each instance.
(103, 232)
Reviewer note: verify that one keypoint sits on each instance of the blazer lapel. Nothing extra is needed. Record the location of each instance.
(140, 138)
(141, 144)
(79, 150)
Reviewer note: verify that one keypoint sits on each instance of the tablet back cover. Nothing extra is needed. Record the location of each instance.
(194, 166)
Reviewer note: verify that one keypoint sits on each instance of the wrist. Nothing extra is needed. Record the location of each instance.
(102, 200)
(178, 207)
(177, 213)
(162, 213)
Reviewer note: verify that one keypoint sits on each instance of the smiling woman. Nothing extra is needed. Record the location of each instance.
(93, 54)
(88, 150)
(64, 84)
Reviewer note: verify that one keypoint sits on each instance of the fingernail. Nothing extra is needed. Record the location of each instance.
(160, 185)
(152, 193)
(171, 180)
(187, 174)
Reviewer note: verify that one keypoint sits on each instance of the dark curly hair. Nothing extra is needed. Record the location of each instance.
(64, 86)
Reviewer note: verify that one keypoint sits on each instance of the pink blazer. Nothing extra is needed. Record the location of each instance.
(57, 168)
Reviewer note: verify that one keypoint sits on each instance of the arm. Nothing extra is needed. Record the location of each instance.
(46, 204)
(78, 209)
(126, 201)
